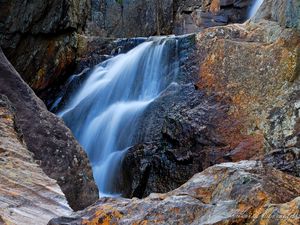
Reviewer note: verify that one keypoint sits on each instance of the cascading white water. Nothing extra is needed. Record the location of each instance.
(104, 112)
(254, 8)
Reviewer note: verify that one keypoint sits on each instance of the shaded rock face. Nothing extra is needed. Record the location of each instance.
(133, 18)
(194, 16)
(53, 145)
(229, 193)
(40, 37)
(45, 40)
(113, 18)
(27, 194)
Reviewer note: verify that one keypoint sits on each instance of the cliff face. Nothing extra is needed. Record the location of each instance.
(133, 18)
(40, 37)
(112, 18)
(58, 153)
(44, 39)
(28, 195)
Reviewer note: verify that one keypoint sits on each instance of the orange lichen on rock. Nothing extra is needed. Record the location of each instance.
(215, 6)
(253, 77)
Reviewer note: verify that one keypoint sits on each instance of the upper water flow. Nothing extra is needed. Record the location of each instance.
(254, 8)
(104, 112)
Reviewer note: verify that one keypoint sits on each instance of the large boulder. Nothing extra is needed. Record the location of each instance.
(53, 145)
(229, 193)
(27, 194)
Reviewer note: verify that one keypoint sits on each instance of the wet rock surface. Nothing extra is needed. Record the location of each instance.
(27, 194)
(52, 143)
(229, 193)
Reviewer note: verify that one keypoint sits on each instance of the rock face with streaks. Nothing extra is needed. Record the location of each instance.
(111, 18)
(40, 37)
(58, 153)
(229, 193)
(27, 194)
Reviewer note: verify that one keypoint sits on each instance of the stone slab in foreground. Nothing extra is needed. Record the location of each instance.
(231, 193)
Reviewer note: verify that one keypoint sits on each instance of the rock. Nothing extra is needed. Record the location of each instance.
(229, 193)
(59, 154)
(27, 194)
(269, 107)
(183, 132)
(194, 16)
(111, 18)
(152, 17)
(286, 13)
(286, 160)
(40, 38)
(217, 117)
(44, 40)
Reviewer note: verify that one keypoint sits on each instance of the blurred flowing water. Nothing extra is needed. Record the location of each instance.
(104, 110)
(254, 8)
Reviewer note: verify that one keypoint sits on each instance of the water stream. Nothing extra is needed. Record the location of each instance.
(254, 8)
(105, 110)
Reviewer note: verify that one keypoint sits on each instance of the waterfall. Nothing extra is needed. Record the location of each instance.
(254, 8)
(105, 110)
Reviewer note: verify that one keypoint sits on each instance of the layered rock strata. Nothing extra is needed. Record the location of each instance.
(27, 194)
(52, 143)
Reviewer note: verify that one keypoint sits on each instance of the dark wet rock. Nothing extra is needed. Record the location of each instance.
(53, 145)
(229, 193)
(94, 50)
